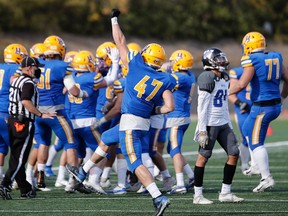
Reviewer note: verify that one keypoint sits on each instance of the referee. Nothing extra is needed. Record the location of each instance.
(23, 102)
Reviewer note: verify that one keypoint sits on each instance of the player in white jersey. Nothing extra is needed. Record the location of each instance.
(214, 124)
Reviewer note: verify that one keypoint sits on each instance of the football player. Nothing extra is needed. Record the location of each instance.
(214, 125)
(179, 120)
(82, 112)
(264, 71)
(103, 63)
(242, 104)
(54, 76)
(144, 88)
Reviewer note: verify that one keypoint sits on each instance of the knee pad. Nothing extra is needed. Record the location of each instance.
(205, 153)
(234, 151)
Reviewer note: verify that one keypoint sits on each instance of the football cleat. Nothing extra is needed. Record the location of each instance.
(159, 177)
(134, 187)
(161, 203)
(5, 193)
(82, 189)
(69, 188)
(48, 171)
(201, 200)
(168, 183)
(105, 183)
(142, 190)
(60, 183)
(253, 170)
(118, 190)
(78, 173)
(229, 197)
(29, 195)
(178, 190)
(265, 184)
(95, 188)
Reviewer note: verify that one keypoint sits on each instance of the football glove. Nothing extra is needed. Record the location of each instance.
(114, 55)
(203, 139)
(244, 107)
(115, 13)
(99, 122)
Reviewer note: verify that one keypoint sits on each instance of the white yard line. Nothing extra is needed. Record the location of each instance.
(217, 151)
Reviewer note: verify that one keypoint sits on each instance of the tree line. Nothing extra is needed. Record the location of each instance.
(203, 20)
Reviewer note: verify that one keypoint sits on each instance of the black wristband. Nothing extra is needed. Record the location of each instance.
(41, 115)
(237, 102)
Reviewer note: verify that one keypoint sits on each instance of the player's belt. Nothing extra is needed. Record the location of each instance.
(268, 102)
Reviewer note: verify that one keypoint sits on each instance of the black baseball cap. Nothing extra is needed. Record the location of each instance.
(30, 61)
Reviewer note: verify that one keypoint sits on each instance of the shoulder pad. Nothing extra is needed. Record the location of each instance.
(206, 81)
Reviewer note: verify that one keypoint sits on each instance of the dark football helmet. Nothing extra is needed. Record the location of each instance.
(214, 58)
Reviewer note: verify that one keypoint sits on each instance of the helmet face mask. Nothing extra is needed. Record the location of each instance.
(153, 55)
(214, 58)
(181, 60)
(253, 42)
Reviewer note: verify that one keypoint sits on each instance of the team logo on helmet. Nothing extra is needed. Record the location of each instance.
(247, 39)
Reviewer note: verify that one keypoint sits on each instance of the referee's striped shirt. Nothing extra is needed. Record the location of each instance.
(16, 107)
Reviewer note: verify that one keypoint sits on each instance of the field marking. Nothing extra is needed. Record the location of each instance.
(148, 198)
(217, 151)
(132, 211)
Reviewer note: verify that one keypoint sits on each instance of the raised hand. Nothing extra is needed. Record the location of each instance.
(114, 55)
(115, 12)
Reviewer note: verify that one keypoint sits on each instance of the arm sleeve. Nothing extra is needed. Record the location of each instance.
(112, 74)
(206, 86)
(203, 103)
(27, 91)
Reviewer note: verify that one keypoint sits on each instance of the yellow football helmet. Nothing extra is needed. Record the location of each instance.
(14, 53)
(37, 50)
(55, 45)
(69, 56)
(181, 60)
(153, 55)
(253, 42)
(134, 47)
(84, 61)
(124, 69)
(102, 50)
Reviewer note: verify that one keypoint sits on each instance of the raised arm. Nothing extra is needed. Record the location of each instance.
(119, 37)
